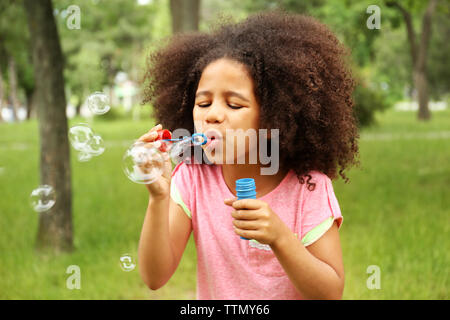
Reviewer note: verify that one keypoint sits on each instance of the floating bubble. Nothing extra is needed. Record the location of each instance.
(143, 163)
(80, 135)
(98, 103)
(86, 142)
(178, 150)
(95, 146)
(43, 198)
(127, 262)
(83, 156)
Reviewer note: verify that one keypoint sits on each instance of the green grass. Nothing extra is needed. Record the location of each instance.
(396, 216)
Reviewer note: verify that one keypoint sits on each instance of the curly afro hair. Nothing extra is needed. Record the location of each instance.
(302, 84)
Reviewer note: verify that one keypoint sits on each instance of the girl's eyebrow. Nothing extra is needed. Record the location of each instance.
(227, 93)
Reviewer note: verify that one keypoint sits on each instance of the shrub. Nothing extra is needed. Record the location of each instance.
(366, 102)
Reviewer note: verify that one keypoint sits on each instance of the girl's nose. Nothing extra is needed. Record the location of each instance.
(215, 113)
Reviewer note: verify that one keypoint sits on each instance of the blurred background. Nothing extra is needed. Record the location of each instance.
(55, 54)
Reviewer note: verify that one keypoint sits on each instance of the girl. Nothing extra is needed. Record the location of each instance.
(272, 71)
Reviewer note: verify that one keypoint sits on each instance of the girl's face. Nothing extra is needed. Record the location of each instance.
(225, 100)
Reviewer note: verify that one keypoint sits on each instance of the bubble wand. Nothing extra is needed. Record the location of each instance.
(144, 165)
(165, 135)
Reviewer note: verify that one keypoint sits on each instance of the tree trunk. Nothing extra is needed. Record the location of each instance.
(419, 54)
(185, 15)
(55, 226)
(13, 86)
(78, 107)
(420, 69)
(2, 93)
(29, 94)
(421, 84)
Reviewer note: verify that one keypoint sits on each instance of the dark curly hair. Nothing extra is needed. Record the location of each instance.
(302, 84)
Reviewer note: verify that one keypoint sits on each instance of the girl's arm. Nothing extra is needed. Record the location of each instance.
(164, 235)
(317, 271)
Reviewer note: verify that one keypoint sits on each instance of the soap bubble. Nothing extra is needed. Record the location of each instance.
(199, 139)
(95, 146)
(177, 151)
(80, 135)
(42, 198)
(98, 103)
(127, 262)
(143, 163)
(86, 142)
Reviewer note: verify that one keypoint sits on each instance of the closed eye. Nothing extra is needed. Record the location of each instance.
(208, 104)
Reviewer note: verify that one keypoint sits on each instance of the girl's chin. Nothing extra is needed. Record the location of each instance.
(214, 158)
(220, 158)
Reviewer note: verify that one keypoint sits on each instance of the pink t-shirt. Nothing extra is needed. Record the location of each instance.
(230, 267)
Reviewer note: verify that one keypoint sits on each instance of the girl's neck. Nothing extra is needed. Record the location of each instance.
(264, 183)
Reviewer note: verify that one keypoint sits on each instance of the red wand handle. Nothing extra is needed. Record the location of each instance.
(162, 135)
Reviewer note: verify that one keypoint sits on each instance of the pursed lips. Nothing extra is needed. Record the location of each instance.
(213, 136)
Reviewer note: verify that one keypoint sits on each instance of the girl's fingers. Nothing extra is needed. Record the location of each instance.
(245, 214)
(149, 137)
(246, 224)
(229, 201)
(155, 128)
(151, 144)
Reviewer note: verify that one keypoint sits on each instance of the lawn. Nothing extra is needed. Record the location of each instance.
(396, 211)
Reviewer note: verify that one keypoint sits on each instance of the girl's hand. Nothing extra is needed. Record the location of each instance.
(254, 219)
(161, 187)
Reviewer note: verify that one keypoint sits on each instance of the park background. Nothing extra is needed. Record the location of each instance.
(396, 205)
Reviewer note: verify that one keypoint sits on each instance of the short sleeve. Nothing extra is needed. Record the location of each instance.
(181, 187)
(320, 209)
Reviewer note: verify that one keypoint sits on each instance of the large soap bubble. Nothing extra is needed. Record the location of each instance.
(98, 103)
(86, 142)
(43, 198)
(144, 162)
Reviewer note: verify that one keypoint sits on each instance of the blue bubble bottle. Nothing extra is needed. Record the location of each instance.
(245, 189)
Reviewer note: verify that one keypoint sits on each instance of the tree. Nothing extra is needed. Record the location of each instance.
(419, 52)
(55, 227)
(14, 54)
(107, 42)
(12, 73)
(2, 93)
(438, 71)
(185, 15)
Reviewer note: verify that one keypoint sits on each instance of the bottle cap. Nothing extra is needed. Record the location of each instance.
(245, 188)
